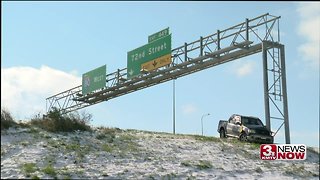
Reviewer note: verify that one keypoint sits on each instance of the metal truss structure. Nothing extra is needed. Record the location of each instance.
(260, 34)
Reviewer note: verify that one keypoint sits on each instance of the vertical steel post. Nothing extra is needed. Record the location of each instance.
(278, 31)
(202, 122)
(118, 76)
(185, 52)
(247, 29)
(201, 46)
(284, 93)
(266, 86)
(174, 107)
(218, 40)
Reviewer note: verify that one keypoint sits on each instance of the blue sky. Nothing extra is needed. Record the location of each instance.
(47, 46)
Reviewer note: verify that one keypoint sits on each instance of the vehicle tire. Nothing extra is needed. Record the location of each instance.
(243, 137)
(222, 133)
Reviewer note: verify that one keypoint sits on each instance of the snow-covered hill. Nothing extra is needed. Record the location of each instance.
(129, 154)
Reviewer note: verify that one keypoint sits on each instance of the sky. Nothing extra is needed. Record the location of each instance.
(47, 46)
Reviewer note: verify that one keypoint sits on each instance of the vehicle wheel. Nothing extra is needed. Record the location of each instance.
(243, 137)
(222, 133)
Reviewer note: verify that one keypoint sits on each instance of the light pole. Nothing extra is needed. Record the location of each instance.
(174, 106)
(202, 122)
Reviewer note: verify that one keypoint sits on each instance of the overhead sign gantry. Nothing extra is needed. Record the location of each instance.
(259, 34)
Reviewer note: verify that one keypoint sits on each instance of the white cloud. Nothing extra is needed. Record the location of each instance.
(188, 109)
(242, 68)
(24, 89)
(309, 29)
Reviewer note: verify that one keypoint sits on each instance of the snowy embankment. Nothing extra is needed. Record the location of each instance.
(130, 154)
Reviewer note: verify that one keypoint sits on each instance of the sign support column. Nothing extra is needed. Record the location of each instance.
(285, 98)
(266, 86)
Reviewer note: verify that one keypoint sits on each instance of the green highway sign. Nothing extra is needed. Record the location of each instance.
(94, 80)
(158, 35)
(148, 52)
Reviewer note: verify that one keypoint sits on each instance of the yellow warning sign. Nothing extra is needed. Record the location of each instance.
(157, 63)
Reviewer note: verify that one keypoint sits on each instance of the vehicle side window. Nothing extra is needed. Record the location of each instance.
(231, 120)
(246, 121)
(237, 120)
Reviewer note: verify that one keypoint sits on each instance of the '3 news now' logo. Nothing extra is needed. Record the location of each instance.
(283, 152)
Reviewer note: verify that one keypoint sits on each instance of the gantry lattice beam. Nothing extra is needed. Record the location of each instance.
(260, 34)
